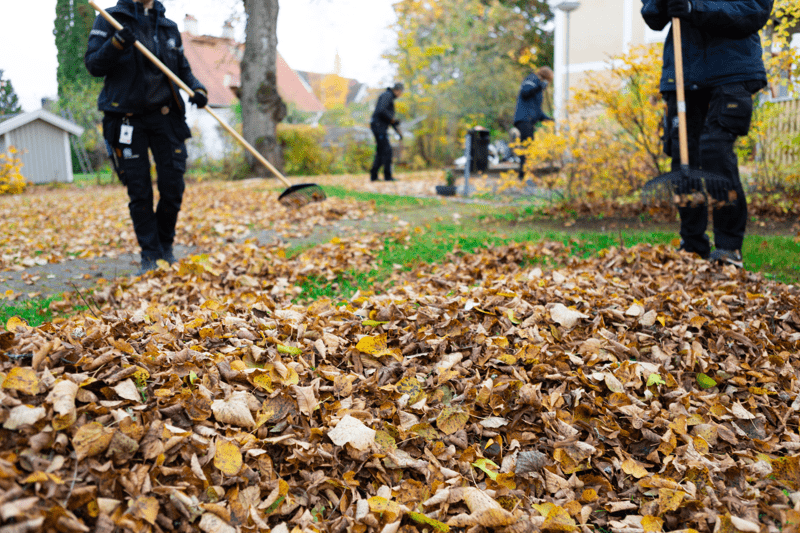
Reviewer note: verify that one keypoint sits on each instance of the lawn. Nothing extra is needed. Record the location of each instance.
(441, 226)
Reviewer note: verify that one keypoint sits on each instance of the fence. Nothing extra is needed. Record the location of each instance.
(785, 127)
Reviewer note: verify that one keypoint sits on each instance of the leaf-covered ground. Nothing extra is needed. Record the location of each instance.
(43, 227)
(639, 391)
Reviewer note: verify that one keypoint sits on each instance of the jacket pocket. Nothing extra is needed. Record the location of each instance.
(736, 108)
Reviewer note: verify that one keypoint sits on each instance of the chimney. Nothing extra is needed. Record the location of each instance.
(227, 30)
(190, 24)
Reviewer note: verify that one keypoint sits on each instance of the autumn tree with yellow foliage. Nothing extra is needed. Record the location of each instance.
(612, 144)
(11, 179)
(462, 62)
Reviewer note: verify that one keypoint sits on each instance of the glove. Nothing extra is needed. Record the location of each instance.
(679, 8)
(200, 99)
(123, 39)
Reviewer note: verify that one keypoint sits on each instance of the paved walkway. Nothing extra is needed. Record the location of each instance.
(55, 278)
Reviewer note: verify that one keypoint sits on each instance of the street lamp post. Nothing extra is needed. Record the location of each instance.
(567, 7)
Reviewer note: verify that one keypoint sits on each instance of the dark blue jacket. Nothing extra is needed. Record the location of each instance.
(132, 83)
(720, 41)
(529, 101)
(383, 115)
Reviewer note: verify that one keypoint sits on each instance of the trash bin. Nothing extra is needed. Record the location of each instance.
(479, 149)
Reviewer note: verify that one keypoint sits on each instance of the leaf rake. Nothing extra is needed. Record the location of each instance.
(687, 186)
(295, 196)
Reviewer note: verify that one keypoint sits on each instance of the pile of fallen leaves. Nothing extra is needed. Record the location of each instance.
(639, 391)
(34, 231)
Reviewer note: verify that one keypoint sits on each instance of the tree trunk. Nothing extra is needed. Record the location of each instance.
(262, 107)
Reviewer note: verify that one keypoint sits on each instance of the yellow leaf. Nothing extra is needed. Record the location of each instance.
(291, 377)
(701, 445)
(669, 500)
(482, 463)
(426, 431)
(652, 524)
(43, 477)
(384, 440)
(424, 520)
(411, 386)
(507, 480)
(451, 419)
(261, 379)
(23, 379)
(91, 439)
(558, 519)
(145, 508)
(374, 345)
(228, 458)
(387, 509)
(787, 469)
(634, 468)
(291, 350)
(698, 321)
(16, 322)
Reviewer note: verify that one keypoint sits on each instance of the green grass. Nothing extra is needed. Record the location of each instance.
(104, 177)
(383, 202)
(776, 257)
(35, 312)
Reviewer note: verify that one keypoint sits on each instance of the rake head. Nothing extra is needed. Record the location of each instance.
(302, 194)
(689, 187)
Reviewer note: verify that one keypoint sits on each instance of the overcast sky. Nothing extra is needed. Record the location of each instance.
(309, 34)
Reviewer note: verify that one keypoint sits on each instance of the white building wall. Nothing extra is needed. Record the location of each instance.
(209, 140)
(44, 151)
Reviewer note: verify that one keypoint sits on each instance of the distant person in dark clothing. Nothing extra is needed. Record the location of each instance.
(529, 106)
(723, 68)
(382, 118)
(143, 109)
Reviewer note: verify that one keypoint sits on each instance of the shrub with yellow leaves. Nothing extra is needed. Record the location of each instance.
(611, 145)
(11, 179)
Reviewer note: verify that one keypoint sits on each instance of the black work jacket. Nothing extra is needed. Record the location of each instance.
(720, 42)
(132, 83)
(529, 100)
(383, 115)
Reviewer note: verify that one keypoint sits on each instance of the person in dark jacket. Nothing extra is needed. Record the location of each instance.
(382, 118)
(722, 70)
(143, 109)
(529, 106)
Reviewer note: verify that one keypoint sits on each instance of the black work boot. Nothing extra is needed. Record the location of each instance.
(168, 256)
(147, 264)
(731, 257)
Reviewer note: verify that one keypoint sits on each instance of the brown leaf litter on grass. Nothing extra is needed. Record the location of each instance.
(473, 395)
(34, 231)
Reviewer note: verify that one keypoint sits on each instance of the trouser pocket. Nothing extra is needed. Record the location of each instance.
(734, 107)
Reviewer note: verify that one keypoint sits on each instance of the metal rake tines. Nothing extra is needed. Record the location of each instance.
(301, 195)
(693, 189)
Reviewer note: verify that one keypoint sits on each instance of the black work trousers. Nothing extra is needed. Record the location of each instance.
(715, 117)
(164, 135)
(383, 153)
(526, 129)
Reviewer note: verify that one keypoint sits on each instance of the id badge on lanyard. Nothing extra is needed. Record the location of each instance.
(125, 133)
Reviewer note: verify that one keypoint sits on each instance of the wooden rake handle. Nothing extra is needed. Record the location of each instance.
(179, 82)
(683, 139)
